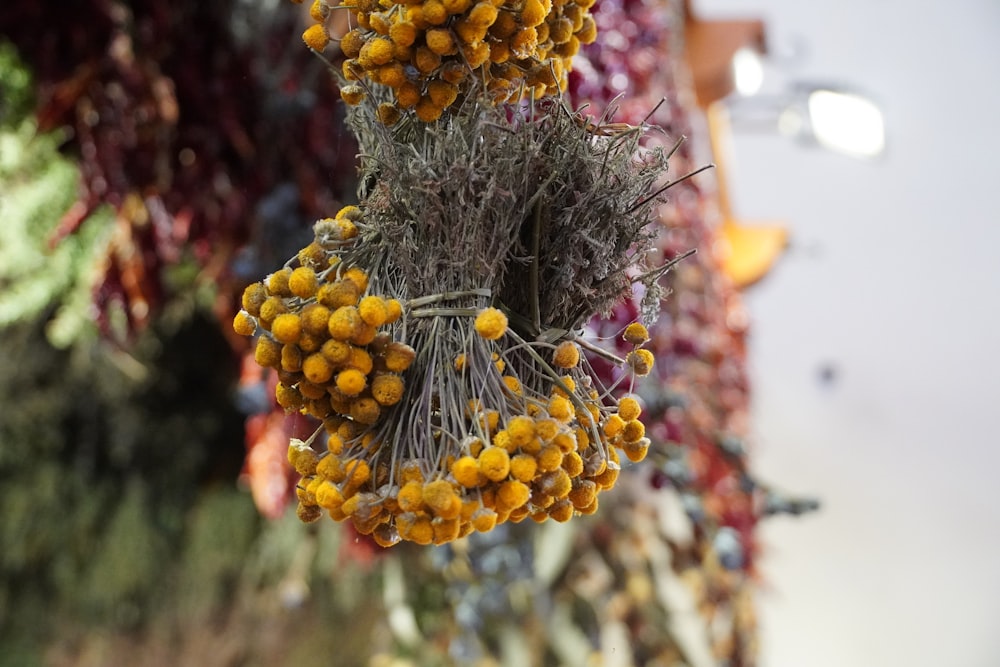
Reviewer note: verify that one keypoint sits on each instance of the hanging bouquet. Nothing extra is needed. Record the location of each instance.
(437, 329)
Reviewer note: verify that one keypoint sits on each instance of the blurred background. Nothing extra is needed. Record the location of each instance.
(871, 354)
(156, 157)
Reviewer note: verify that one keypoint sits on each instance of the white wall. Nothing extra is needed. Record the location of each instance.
(892, 281)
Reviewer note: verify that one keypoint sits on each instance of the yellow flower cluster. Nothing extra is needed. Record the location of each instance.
(538, 444)
(431, 52)
(549, 461)
(322, 333)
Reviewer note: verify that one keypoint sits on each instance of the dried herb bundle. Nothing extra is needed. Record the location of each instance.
(435, 329)
(529, 202)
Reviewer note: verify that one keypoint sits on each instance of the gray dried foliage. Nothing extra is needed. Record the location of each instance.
(548, 214)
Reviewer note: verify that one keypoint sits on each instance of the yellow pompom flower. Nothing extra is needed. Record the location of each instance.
(344, 323)
(352, 94)
(302, 458)
(277, 282)
(491, 323)
(288, 397)
(477, 53)
(465, 470)
(513, 385)
(524, 42)
(549, 458)
(442, 93)
(440, 41)
(583, 493)
(561, 510)
(270, 309)
(357, 276)
(636, 451)
(403, 33)
(641, 361)
(628, 408)
(546, 429)
(388, 114)
(566, 355)
(446, 529)
(387, 389)
(523, 467)
(421, 531)
(484, 520)
(557, 483)
(456, 6)
(533, 13)
(560, 408)
(393, 310)
(314, 319)
(358, 472)
(310, 390)
(328, 496)
(373, 311)
(483, 14)
(613, 426)
(560, 30)
(514, 493)
(587, 33)
(351, 43)
(565, 441)
(331, 468)
(521, 429)
(636, 334)
(375, 52)
(334, 444)
(253, 297)
(426, 111)
(351, 382)
(286, 328)
(317, 369)
(408, 95)
(494, 463)
(365, 411)
(316, 37)
(503, 440)
(435, 13)
(469, 32)
(308, 513)
(244, 324)
(398, 356)
(340, 293)
(338, 352)
(439, 496)
(607, 479)
(302, 283)
(572, 463)
(411, 496)
(633, 431)
(426, 61)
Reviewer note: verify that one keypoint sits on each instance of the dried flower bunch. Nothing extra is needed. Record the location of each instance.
(436, 328)
(432, 53)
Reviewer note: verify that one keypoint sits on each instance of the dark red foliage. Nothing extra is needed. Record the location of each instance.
(184, 117)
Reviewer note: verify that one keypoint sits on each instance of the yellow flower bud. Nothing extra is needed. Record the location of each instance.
(491, 324)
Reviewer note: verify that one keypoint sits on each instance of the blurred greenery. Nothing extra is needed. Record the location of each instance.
(123, 530)
(38, 185)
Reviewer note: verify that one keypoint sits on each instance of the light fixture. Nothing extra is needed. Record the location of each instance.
(846, 122)
(748, 71)
(835, 118)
